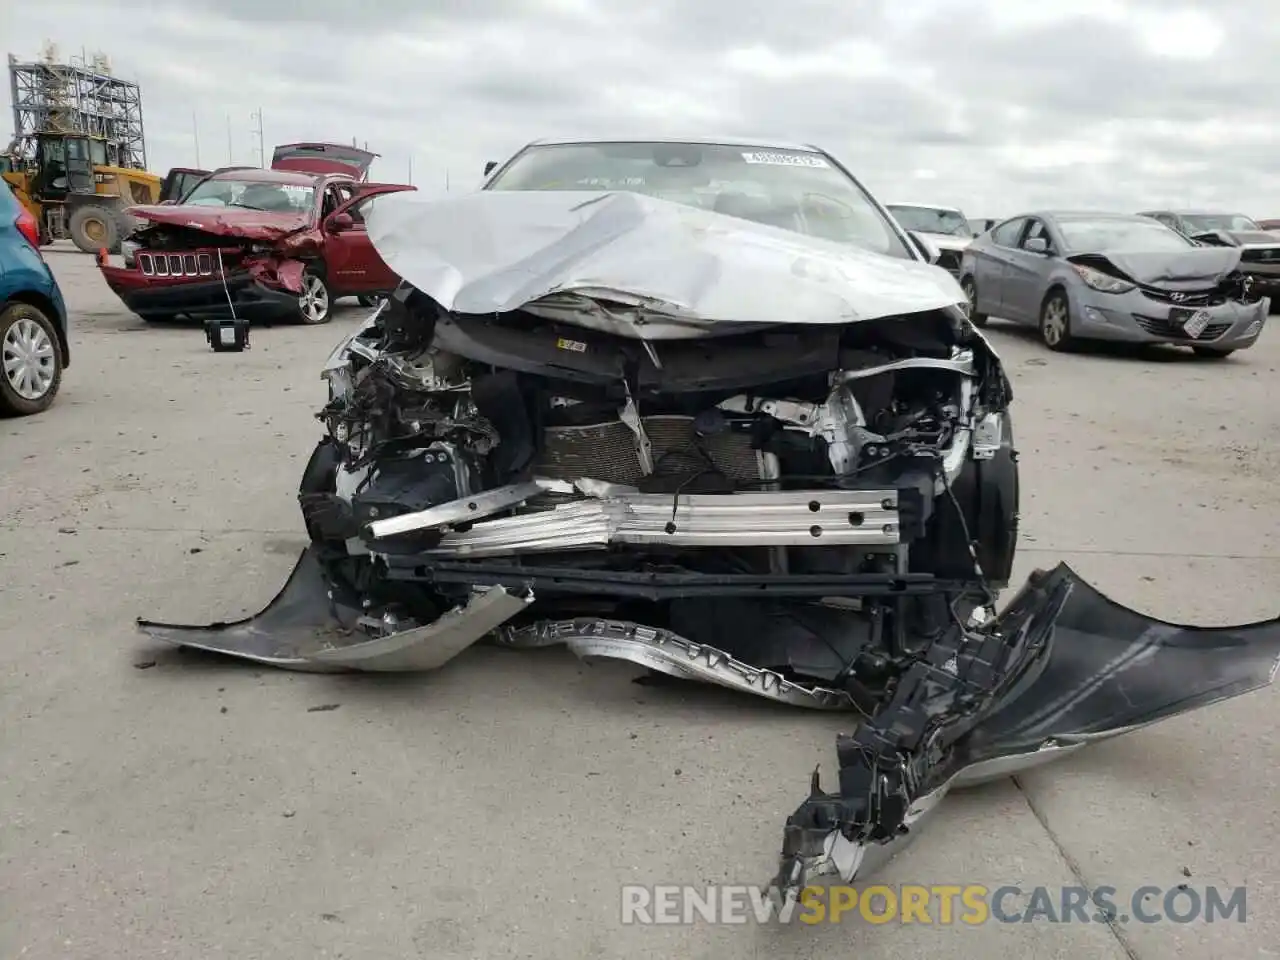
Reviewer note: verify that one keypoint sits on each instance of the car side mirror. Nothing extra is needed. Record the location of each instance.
(339, 222)
(488, 167)
(927, 249)
(1038, 245)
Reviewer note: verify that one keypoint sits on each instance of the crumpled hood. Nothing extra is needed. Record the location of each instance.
(1254, 237)
(494, 252)
(1237, 238)
(263, 225)
(1196, 264)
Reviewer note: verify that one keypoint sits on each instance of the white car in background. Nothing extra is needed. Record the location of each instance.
(945, 229)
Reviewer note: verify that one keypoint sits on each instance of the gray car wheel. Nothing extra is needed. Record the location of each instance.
(30, 360)
(1055, 322)
(971, 294)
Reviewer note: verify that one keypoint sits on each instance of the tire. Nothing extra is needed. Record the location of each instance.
(1055, 322)
(371, 299)
(93, 227)
(1212, 353)
(315, 305)
(30, 360)
(971, 293)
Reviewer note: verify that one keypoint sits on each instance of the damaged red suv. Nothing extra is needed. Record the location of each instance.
(274, 244)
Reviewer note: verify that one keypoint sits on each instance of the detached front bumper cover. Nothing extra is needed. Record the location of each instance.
(1060, 667)
(1063, 666)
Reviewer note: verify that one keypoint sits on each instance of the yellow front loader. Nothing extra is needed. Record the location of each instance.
(73, 193)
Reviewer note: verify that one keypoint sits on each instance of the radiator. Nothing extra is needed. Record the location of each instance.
(607, 451)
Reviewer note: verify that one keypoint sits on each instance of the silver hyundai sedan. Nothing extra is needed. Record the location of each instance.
(1102, 276)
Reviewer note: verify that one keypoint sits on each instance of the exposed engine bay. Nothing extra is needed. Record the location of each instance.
(820, 512)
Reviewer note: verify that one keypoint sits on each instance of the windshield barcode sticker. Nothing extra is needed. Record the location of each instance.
(785, 159)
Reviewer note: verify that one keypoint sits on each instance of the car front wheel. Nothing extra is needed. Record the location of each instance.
(314, 303)
(1055, 322)
(971, 294)
(30, 360)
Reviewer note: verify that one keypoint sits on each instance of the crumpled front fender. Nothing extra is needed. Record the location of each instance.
(1103, 670)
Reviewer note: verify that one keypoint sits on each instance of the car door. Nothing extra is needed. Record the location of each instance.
(351, 263)
(990, 262)
(179, 181)
(1027, 274)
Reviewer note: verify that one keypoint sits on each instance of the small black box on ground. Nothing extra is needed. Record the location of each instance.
(227, 335)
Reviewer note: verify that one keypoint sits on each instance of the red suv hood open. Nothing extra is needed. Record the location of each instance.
(250, 224)
(323, 158)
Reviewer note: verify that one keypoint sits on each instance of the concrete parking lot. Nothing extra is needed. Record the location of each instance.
(155, 803)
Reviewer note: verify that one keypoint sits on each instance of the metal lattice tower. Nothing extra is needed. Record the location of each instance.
(78, 96)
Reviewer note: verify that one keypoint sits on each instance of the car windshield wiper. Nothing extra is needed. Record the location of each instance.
(246, 206)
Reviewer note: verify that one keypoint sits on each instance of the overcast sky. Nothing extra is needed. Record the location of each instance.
(990, 105)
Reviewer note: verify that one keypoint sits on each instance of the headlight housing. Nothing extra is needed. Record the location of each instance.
(129, 250)
(1102, 282)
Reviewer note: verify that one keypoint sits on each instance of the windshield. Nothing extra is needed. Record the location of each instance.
(252, 195)
(931, 220)
(1204, 222)
(1138, 235)
(794, 189)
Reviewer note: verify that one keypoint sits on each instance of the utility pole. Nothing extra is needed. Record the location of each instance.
(229, 161)
(262, 151)
(411, 169)
(195, 135)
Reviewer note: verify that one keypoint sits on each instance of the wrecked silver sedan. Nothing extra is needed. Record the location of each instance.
(779, 458)
(1108, 276)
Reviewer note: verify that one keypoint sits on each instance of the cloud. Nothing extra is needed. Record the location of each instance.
(991, 105)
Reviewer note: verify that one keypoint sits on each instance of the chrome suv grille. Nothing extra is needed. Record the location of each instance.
(1167, 328)
(175, 264)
